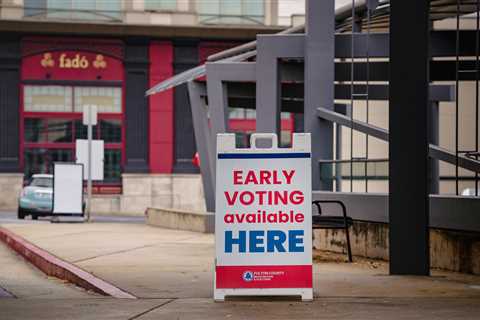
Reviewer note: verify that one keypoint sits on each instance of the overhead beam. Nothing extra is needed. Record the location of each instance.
(378, 92)
(441, 44)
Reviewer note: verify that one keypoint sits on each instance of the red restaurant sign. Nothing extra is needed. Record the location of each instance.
(72, 65)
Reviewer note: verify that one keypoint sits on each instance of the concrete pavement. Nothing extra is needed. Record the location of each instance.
(85, 309)
(171, 274)
(23, 281)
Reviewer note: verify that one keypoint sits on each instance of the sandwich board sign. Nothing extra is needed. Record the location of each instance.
(263, 219)
(67, 189)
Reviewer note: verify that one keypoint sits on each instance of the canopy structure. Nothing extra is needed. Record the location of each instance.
(362, 54)
(379, 21)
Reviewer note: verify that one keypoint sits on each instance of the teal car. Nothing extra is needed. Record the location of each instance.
(36, 198)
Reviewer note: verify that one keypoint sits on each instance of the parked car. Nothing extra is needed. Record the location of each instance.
(36, 197)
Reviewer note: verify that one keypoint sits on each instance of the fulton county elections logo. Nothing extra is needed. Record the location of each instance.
(247, 276)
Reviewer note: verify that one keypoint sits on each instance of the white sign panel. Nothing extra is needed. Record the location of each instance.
(90, 115)
(67, 188)
(263, 219)
(97, 157)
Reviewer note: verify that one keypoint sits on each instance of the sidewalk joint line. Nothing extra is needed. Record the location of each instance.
(4, 293)
(113, 253)
(151, 309)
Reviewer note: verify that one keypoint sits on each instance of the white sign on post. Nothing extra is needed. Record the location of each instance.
(67, 189)
(90, 115)
(263, 218)
(81, 153)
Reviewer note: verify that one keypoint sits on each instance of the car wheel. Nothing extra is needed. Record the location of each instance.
(34, 217)
(20, 214)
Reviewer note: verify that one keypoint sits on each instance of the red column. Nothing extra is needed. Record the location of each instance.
(161, 109)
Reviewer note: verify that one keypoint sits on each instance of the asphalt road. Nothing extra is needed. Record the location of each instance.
(7, 217)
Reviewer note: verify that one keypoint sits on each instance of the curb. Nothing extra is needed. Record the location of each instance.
(56, 267)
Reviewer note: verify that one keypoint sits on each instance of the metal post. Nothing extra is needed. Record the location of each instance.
(408, 138)
(205, 142)
(319, 82)
(433, 132)
(89, 182)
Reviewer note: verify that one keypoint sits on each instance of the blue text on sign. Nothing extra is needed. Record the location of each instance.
(265, 241)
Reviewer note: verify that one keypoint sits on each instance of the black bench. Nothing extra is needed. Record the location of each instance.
(320, 221)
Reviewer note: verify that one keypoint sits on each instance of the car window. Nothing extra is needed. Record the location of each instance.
(42, 182)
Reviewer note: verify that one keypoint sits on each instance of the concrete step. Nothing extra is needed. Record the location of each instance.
(181, 219)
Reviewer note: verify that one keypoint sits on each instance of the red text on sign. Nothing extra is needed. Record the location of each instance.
(263, 177)
(262, 197)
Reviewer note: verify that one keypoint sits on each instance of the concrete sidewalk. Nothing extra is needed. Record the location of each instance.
(171, 272)
(23, 281)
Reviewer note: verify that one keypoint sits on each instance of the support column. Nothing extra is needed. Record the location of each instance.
(267, 89)
(185, 58)
(136, 105)
(9, 104)
(433, 131)
(203, 138)
(408, 141)
(319, 82)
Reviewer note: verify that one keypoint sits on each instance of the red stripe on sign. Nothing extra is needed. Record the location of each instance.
(231, 277)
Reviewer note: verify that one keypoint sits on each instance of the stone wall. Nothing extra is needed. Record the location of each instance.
(449, 250)
(10, 187)
(179, 191)
(181, 219)
(140, 191)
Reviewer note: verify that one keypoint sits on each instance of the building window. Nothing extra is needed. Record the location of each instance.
(40, 160)
(111, 166)
(81, 131)
(47, 99)
(159, 5)
(34, 130)
(59, 130)
(231, 11)
(111, 130)
(52, 121)
(107, 99)
(103, 10)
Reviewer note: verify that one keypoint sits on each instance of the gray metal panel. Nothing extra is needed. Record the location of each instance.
(231, 71)
(446, 212)
(455, 212)
(282, 46)
(360, 206)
